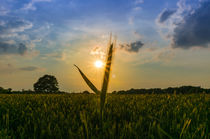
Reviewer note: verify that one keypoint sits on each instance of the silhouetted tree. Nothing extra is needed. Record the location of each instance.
(46, 84)
(86, 92)
(9, 90)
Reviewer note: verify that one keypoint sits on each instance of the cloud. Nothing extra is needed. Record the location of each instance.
(6, 48)
(165, 14)
(97, 51)
(30, 5)
(137, 8)
(194, 30)
(11, 27)
(165, 55)
(3, 11)
(59, 56)
(13, 39)
(188, 25)
(132, 47)
(137, 35)
(29, 68)
(139, 1)
(10, 69)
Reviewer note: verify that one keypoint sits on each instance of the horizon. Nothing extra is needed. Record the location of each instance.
(160, 44)
(113, 90)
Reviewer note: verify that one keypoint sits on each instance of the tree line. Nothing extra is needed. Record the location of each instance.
(170, 90)
(49, 84)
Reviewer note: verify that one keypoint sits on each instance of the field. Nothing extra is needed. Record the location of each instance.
(125, 116)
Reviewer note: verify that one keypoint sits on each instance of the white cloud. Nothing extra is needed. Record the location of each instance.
(139, 1)
(12, 27)
(138, 8)
(3, 11)
(131, 20)
(135, 11)
(30, 5)
(2, 23)
(27, 25)
(97, 51)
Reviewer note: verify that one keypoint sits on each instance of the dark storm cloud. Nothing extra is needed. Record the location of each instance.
(6, 48)
(194, 30)
(166, 14)
(132, 47)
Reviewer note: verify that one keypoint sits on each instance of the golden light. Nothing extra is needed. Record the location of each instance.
(98, 64)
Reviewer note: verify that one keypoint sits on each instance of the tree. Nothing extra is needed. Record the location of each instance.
(46, 84)
(86, 92)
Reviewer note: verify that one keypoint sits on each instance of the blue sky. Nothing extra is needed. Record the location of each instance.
(160, 43)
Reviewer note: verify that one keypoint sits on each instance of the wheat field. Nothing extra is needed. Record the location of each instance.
(125, 116)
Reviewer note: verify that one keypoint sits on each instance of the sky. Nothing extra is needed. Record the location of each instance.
(159, 43)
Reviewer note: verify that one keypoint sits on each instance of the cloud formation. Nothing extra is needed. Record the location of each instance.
(6, 48)
(194, 31)
(188, 26)
(132, 47)
(3, 11)
(139, 1)
(97, 51)
(30, 5)
(12, 31)
(165, 14)
(11, 27)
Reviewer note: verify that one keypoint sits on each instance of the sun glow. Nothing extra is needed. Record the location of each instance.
(98, 64)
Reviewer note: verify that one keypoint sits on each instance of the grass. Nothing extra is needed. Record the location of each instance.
(125, 116)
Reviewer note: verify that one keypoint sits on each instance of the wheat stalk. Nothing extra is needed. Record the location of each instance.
(106, 75)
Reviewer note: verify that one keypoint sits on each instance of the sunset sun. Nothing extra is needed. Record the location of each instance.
(98, 64)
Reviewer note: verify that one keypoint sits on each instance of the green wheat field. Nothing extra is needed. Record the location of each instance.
(125, 116)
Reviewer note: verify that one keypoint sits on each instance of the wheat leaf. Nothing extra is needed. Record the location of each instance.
(88, 81)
